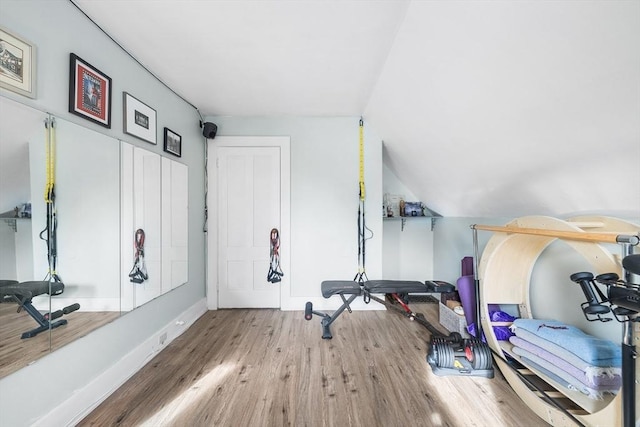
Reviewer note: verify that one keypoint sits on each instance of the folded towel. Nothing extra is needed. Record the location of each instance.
(570, 357)
(601, 382)
(594, 351)
(574, 384)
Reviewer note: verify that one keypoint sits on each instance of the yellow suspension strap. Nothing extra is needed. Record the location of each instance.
(361, 276)
(361, 152)
(49, 199)
(49, 162)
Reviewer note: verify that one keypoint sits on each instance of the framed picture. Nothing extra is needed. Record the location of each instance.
(17, 64)
(89, 92)
(139, 119)
(172, 142)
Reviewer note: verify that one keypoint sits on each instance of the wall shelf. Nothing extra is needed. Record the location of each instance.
(11, 219)
(403, 220)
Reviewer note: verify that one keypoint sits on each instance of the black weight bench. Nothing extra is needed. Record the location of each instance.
(22, 293)
(397, 288)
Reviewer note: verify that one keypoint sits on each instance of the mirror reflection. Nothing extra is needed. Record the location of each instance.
(87, 214)
(154, 221)
(108, 194)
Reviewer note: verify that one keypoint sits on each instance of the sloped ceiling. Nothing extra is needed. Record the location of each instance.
(492, 108)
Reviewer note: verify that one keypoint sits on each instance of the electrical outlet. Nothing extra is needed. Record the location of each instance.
(163, 338)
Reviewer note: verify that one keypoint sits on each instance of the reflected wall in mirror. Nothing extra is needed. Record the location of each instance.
(154, 208)
(87, 188)
(87, 192)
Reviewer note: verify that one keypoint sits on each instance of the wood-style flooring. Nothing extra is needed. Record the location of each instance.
(271, 368)
(16, 353)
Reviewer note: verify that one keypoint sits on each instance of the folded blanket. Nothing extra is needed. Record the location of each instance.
(594, 351)
(607, 380)
(574, 384)
(591, 370)
(547, 374)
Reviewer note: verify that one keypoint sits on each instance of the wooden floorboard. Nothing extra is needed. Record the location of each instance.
(271, 368)
(16, 353)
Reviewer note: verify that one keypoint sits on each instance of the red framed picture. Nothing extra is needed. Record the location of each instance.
(89, 92)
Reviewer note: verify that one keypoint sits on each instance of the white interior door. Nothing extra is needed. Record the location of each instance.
(248, 189)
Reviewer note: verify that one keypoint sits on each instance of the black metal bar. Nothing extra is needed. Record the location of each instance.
(628, 384)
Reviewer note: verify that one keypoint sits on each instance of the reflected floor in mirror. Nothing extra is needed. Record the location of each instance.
(16, 353)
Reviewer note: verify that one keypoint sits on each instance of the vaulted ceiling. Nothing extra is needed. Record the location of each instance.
(486, 108)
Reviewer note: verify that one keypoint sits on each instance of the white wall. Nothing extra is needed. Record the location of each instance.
(7, 252)
(324, 199)
(453, 240)
(24, 251)
(18, 125)
(16, 251)
(407, 250)
(58, 28)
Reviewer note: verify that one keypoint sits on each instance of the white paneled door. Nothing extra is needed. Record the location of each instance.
(249, 207)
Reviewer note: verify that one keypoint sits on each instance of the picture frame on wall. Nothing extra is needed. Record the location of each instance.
(89, 92)
(17, 64)
(139, 119)
(172, 142)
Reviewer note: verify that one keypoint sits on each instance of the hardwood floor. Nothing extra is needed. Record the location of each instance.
(271, 368)
(16, 353)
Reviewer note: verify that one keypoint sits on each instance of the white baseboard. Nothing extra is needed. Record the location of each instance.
(86, 399)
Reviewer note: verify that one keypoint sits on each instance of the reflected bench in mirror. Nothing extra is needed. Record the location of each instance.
(22, 294)
(87, 188)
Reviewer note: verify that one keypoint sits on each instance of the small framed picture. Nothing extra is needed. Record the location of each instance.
(172, 142)
(89, 92)
(139, 119)
(17, 64)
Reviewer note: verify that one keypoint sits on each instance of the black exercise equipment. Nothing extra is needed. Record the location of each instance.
(274, 275)
(354, 289)
(22, 293)
(594, 305)
(623, 301)
(454, 355)
(138, 273)
(447, 355)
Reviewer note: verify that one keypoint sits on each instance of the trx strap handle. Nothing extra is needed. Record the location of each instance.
(138, 273)
(275, 272)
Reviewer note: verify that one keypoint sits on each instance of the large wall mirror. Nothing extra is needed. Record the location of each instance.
(105, 190)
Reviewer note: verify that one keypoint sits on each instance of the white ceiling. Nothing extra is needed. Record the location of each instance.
(486, 108)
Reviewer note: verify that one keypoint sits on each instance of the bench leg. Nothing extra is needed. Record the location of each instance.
(44, 323)
(327, 319)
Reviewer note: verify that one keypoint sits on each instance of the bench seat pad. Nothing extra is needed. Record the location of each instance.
(337, 287)
(395, 286)
(31, 289)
